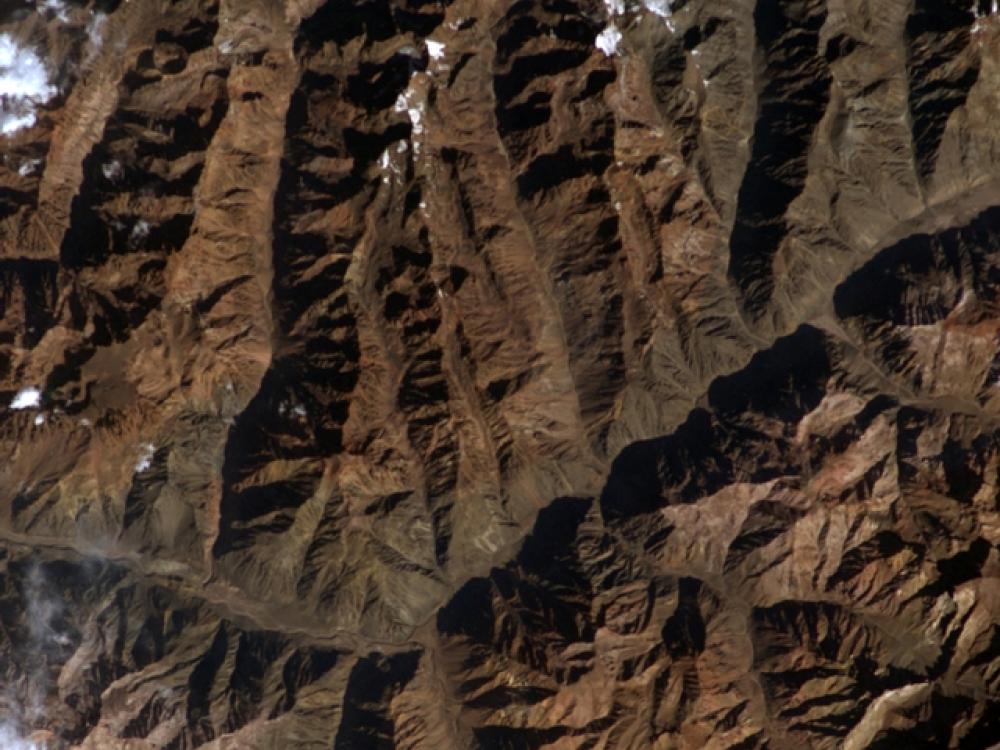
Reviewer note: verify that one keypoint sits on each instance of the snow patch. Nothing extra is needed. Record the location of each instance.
(981, 17)
(24, 84)
(112, 170)
(660, 8)
(29, 167)
(297, 409)
(27, 398)
(607, 41)
(140, 230)
(615, 7)
(435, 49)
(414, 111)
(145, 460)
(57, 8)
(95, 30)
(39, 420)
(408, 102)
(387, 164)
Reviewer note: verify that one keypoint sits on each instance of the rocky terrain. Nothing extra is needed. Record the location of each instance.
(501, 374)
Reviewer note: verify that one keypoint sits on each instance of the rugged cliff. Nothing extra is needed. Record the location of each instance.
(499, 374)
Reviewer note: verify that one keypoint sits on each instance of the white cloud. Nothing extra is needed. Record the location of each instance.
(435, 49)
(24, 84)
(11, 123)
(41, 608)
(24, 707)
(27, 398)
(11, 739)
(607, 41)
